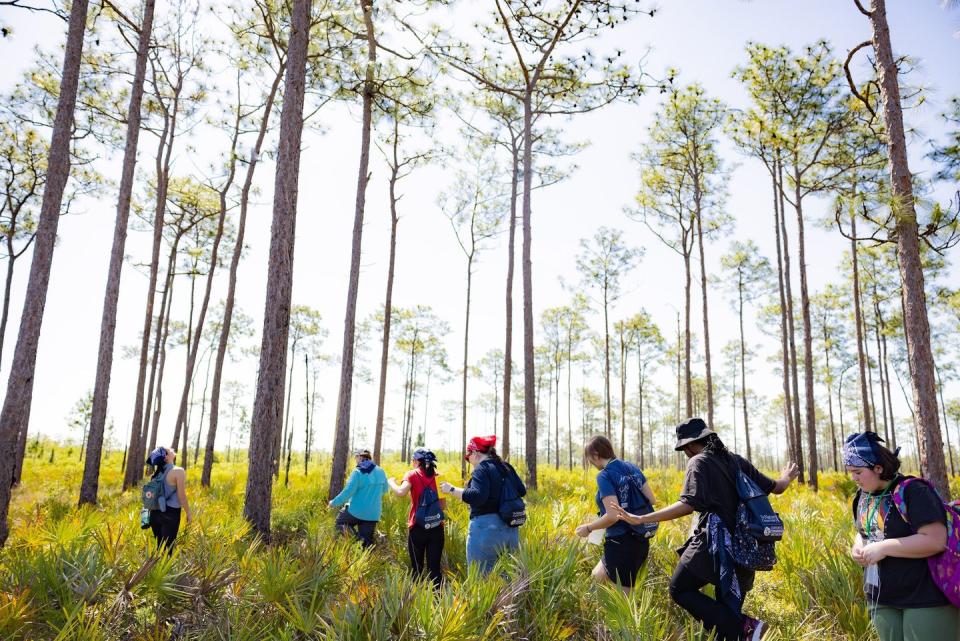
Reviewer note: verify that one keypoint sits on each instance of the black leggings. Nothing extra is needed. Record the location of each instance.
(165, 526)
(715, 615)
(426, 543)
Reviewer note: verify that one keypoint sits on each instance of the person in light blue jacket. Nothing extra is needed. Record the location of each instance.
(362, 495)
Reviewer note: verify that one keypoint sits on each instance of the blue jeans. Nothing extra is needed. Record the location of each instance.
(487, 538)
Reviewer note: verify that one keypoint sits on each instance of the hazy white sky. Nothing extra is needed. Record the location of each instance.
(704, 39)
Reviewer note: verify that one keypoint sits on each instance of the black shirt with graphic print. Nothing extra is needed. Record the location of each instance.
(903, 583)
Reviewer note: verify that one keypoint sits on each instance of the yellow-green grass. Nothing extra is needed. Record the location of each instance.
(69, 573)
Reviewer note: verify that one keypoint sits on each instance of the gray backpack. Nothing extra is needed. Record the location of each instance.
(154, 493)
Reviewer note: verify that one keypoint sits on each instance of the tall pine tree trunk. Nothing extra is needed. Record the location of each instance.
(916, 323)
(687, 376)
(341, 442)
(232, 280)
(15, 416)
(529, 364)
(784, 349)
(508, 339)
(108, 323)
(466, 366)
(791, 331)
(743, 366)
(706, 315)
(268, 404)
(387, 303)
(811, 411)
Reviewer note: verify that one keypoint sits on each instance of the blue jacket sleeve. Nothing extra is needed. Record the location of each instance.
(347, 491)
(478, 489)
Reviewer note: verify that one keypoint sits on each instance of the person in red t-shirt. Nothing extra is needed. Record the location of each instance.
(422, 542)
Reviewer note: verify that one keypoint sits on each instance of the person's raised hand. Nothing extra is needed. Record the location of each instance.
(790, 471)
(583, 531)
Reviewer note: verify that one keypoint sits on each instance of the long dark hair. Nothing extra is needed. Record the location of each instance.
(492, 453)
(429, 468)
(713, 445)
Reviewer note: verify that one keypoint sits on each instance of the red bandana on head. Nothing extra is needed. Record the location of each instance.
(481, 444)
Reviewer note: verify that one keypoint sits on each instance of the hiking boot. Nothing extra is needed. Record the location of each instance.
(754, 629)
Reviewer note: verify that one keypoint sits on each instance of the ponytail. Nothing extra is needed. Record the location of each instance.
(429, 468)
(713, 445)
(492, 453)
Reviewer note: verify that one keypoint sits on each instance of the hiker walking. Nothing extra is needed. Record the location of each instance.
(362, 495)
(425, 535)
(710, 487)
(904, 598)
(165, 496)
(619, 484)
(496, 509)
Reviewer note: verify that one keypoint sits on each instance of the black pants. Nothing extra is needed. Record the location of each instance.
(363, 530)
(685, 588)
(422, 543)
(165, 526)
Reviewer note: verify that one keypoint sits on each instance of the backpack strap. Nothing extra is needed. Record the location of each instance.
(899, 495)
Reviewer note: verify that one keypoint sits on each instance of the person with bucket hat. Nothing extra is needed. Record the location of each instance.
(363, 495)
(425, 536)
(709, 488)
(903, 597)
(488, 535)
(170, 483)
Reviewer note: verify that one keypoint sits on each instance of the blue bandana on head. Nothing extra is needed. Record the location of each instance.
(425, 455)
(858, 450)
(157, 456)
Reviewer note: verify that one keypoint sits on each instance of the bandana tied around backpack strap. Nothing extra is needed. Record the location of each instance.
(721, 549)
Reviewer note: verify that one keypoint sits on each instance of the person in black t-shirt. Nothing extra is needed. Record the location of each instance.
(709, 487)
(904, 602)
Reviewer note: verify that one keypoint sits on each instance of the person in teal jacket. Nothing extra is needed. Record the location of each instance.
(362, 495)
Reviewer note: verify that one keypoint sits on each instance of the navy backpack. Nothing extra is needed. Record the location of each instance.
(428, 514)
(757, 528)
(631, 498)
(513, 511)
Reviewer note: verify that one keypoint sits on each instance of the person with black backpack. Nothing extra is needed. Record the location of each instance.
(425, 536)
(164, 497)
(621, 484)
(901, 525)
(497, 510)
(718, 485)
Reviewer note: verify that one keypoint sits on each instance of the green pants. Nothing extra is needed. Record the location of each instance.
(915, 624)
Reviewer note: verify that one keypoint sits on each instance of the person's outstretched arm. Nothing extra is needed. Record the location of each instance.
(789, 472)
(400, 489)
(669, 513)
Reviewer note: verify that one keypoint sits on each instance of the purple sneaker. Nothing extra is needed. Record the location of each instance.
(753, 629)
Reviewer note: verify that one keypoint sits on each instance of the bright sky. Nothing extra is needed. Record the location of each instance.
(705, 39)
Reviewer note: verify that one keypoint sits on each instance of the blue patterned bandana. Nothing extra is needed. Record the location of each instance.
(858, 450)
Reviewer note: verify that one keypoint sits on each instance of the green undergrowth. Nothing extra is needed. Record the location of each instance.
(88, 574)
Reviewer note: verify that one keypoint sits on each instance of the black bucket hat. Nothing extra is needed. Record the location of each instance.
(692, 430)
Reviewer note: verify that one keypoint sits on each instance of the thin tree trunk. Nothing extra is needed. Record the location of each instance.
(791, 331)
(833, 432)
(281, 440)
(569, 402)
(858, 319)
(743, 368)
(606, 363)
(161, 368)
(688, 383)
(15, 416)
(946, 423)
(232, 280)
(706, 316)
(811, 411)
(508, 340)
(341, 442)
(108, 324)
(387, 306)
(466, 344)
(623, 397)
(8, 282)
(529, 365)
(883, 388)
(886, 372)
(268, 403)
(916, 323)
(785, 352)
(163, 160)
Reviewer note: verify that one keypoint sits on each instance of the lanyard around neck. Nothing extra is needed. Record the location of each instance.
(872, 510)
